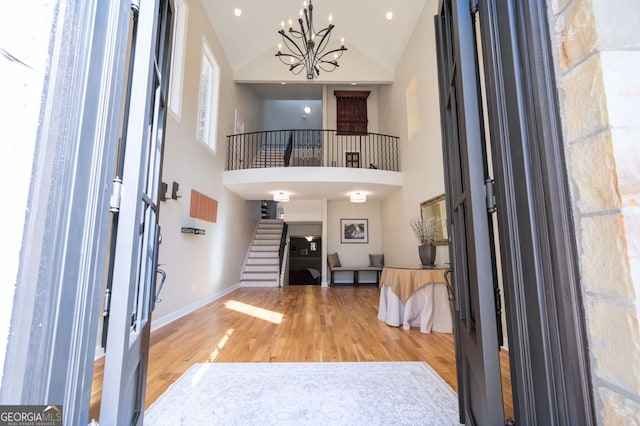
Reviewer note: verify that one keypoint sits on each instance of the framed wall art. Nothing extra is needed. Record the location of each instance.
(354, 231)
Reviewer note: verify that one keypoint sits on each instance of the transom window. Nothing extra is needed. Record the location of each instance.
(209, 93)
(181, 11)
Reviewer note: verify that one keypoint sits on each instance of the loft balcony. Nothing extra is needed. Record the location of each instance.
(312, 164)
(312, 148)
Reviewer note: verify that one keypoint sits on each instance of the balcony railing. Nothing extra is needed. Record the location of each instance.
(312, 148)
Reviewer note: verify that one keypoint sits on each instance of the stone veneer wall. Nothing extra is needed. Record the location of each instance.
(597, 50)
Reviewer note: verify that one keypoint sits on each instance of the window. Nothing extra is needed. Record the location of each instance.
(351, 108)
(177, 57)
(208, 107)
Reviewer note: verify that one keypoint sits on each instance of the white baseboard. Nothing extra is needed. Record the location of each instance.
(157, 323)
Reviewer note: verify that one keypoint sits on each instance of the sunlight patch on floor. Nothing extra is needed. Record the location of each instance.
(214, 354)
(254, 311)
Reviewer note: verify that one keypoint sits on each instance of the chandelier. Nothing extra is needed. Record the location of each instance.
(307, 47)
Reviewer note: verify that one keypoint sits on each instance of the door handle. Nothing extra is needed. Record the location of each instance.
(447, 278)
(163, 274)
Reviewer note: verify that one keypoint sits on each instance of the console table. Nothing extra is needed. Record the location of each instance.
(415, 297)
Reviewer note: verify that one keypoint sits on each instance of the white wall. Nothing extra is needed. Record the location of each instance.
(409, 109)
(288, 114)
(354, 254)
(202, 267)
(303, 210)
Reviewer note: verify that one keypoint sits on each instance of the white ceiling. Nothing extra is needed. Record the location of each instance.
(361, 22)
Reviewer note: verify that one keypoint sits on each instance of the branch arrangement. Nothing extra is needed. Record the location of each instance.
(426, 230)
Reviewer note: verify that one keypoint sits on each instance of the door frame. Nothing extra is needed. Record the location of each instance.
(51, 349)
(471, 236)
(137, 232)
(548, 349)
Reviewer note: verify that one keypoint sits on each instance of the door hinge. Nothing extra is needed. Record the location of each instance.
(473, 6)
(491, 195)
(116, 194)
(107, 303)
(509, 422)
(135, 6)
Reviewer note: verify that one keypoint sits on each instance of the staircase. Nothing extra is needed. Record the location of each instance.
(261, 268)
(269, 158)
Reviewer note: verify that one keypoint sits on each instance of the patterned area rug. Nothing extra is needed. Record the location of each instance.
(327, 393)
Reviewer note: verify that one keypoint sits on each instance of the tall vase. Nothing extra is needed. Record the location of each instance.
(427, 254)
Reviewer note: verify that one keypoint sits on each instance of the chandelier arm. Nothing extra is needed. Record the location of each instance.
(281, 56)
(290, 43)
(340, 49)
(295, 33)
(323, 41)
(303, 33)
(294, 68)
(308, 17)
(333, 64)
(310, 63)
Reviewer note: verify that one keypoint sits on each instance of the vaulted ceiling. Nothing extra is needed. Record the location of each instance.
(375, 44)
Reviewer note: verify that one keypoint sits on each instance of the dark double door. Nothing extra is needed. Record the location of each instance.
(507, 199)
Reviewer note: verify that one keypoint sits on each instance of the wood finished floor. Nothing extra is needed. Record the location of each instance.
(293, 324)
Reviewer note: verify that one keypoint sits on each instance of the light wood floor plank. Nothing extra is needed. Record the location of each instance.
(293, 324)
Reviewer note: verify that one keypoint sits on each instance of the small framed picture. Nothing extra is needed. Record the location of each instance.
(354, 231)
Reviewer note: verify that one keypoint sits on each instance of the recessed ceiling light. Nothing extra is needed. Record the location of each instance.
(237, 11)
(389, 15)
(354, 84)
(307, 110)
(283, 82)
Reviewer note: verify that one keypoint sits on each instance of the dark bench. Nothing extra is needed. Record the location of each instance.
(356, 270)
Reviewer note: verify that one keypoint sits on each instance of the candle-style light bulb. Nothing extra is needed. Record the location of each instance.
(290, 23)
(282, 24)
(330, 19)
(279, 47)
(342, 41)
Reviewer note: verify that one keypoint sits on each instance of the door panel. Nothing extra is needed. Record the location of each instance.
(471, 250)
(545, 319)
(136, 230)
